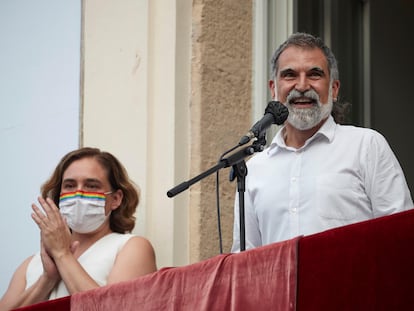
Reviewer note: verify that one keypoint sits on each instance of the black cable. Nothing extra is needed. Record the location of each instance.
(220, 235)
(218, 212)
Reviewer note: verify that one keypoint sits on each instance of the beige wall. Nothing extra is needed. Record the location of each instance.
(115, 85)
(167, 88)
(220, 113)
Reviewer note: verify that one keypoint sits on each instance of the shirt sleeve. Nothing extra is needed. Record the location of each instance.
(385, 183)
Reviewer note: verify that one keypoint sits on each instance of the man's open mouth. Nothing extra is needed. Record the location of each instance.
(302, 101)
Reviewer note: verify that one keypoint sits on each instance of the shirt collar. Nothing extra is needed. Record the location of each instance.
(327, 130)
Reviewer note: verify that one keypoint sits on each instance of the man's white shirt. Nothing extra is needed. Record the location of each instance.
(342, 175)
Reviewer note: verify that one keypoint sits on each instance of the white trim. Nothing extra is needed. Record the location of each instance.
(283, 20)
(260, 67)
(327, 21)
(273, 23)
(366, 64)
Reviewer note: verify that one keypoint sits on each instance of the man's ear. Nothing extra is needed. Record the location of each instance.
(272, 89)
(335, 88)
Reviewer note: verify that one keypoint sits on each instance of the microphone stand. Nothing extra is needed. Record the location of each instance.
(239, 171)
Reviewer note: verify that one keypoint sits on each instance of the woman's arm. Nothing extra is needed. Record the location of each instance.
(16, 294)
(57, 241)
(135, 259)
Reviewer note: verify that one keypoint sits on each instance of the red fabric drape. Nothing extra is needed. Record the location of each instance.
(258, 279)
(365, 266)
(60, 304)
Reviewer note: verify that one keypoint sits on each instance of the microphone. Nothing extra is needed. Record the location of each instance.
(275, 113)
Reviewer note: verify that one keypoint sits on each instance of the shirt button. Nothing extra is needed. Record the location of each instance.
(293, 209)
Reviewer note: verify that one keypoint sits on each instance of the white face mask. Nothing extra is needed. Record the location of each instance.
(84, 211)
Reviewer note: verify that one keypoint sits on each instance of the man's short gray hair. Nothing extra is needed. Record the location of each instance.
(305, 40)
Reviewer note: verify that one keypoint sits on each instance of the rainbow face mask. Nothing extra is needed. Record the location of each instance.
(84, 211)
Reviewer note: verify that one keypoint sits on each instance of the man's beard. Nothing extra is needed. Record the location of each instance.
(307, 118)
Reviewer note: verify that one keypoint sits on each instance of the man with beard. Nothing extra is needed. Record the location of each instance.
(316, 174)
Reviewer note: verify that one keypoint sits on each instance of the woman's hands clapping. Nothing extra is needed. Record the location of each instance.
(55, 235)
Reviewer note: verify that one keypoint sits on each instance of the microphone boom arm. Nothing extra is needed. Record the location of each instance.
(275, 113)
(233, 159)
